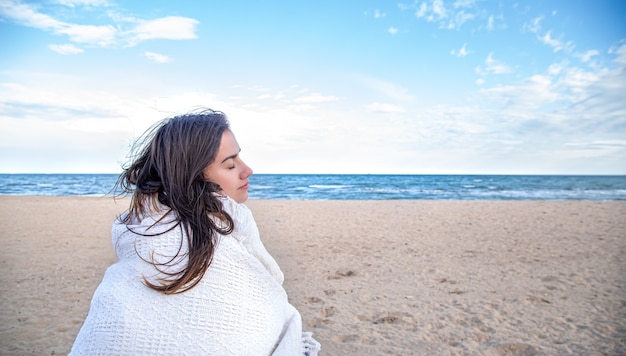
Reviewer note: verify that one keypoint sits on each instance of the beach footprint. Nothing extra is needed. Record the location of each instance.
(517, 349)
(351, 338)
(342, 274)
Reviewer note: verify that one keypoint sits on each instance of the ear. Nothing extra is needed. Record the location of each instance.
(205, 174)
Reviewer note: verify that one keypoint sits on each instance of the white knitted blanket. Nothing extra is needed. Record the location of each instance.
(238, 308)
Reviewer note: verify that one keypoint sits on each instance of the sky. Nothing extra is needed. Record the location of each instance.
(321, 86)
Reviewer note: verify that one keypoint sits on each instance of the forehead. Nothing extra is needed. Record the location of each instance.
(228, 145)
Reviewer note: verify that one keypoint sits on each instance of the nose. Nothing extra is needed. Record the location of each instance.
(246, 171)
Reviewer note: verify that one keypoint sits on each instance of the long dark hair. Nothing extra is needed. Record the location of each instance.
(166, 166)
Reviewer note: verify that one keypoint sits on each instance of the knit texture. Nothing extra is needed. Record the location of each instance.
(239, 307)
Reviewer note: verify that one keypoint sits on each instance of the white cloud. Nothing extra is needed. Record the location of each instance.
(65, 49)
(171, 28)
(90, 129)
(448, 16)
(563, 111)
(387, 89)
(392, 30)
(462, 52)
(554, 43)
(460, 18)
(438, 9)
(490, 23)
(493, 66)
(555, 68)
(28, 16)
(384, 108)
(534, 92)
(76, 3)
(101, 36)
(534, 25)
(586, 57)
(620, 52)
(463, 3)
(496, 67)
(379, 14)
(599, 144)
(421, 11)
(155, 57)
(567, 106)
(315, 98)
(123, 31)
(294, 97)
(576, 82)
(434, 12)
(536, 121)
(272, 96)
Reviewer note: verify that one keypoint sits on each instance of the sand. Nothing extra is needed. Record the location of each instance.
(369, 277)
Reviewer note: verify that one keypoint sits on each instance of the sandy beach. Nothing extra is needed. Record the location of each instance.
(369, 277)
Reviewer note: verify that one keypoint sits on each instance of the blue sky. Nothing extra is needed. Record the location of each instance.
(424, 87)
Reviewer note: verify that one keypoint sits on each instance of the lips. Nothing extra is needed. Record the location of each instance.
(244, 187)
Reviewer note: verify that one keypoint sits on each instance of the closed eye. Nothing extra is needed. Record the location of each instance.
(233, 156)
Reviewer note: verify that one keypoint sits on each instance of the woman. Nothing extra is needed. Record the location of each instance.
(193, 276)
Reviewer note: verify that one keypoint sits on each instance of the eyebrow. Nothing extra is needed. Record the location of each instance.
(233, 156)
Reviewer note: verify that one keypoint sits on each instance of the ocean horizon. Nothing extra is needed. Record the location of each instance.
(359, 186)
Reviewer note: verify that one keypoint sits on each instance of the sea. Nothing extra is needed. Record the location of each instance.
(358, 186)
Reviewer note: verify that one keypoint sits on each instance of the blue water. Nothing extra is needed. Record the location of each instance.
(358, 187)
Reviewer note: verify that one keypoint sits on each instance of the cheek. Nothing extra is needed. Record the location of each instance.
(226, 179)
(217, 178)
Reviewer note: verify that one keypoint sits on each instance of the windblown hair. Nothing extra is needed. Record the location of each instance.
(166, 166)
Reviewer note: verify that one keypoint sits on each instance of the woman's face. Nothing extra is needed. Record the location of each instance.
(228, 170)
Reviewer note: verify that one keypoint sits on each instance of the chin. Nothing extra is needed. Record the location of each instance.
(240, 198)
